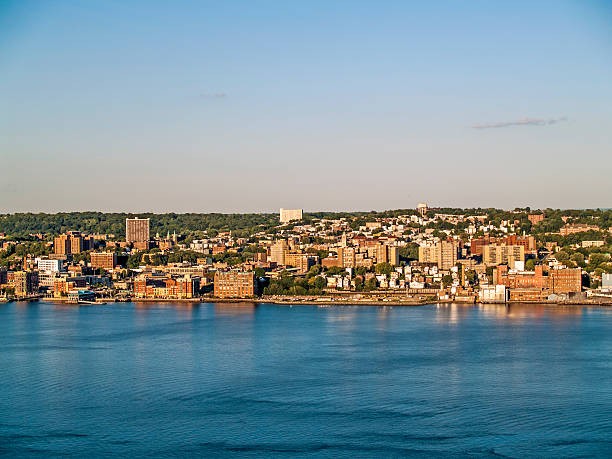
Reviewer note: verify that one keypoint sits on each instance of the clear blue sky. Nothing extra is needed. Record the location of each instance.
(332, 105)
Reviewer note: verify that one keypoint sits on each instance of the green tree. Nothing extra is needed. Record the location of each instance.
(384, 268)
(578, 258)
(595, 260)
(336, 270)
(562, 256)
(409, 252)
(359, 283)
(371, 284)
(319, 283)
(314, 271)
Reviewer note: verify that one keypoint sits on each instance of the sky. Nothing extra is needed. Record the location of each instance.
(157, 106)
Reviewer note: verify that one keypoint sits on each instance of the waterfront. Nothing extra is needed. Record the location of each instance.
(263, 380)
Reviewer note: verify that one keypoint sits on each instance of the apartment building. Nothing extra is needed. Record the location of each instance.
(444, 253)
(137, 230)
(301, 261)
(477, 243)
(535, 218)
(61, 245)
(288, 215)
(577, 228)
(278, 251)
(387, 254)
(495, 254)
(71, 243)
(52, 265)
(567, 280)
(527, 242)
(592, 243)
(104, 260)
(520, 279)
(25, 283)
(155, 286)
(235, 284)
(347, 257)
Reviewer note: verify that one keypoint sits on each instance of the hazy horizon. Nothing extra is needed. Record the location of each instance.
(246, 107)
(306, 211)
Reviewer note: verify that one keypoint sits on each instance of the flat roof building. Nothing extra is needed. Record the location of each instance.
(444, 253)
(46, 264)
(287, 215)
(104, 260)
(235, 284)
(137, 230)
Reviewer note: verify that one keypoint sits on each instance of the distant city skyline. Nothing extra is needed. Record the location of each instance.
(326, 106)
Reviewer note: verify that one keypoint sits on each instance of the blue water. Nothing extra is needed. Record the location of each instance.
(265, 381)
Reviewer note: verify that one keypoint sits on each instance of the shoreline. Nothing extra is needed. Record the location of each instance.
(293, 301)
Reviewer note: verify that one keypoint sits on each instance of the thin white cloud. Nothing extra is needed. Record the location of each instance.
(216, 95)
(521, 122)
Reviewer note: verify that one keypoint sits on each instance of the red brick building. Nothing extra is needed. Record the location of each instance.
(183, 287)
(137, 230)
(167, 287)
(558, 280)
(477, 243)
(105, 260)
(577, 228)
(235, 284)
(535, 218)
(565, 280)
(25, 283)
(528, 242)
(521, 280)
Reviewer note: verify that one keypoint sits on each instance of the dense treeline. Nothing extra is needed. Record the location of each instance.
(22, 224)
(13, 253)
(242, 225)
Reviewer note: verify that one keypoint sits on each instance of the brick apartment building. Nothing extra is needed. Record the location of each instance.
(577, 228)
(535, 218)
(568, 280)
(444, 253)
(137, 230)
(104, 260)
(25, 283)
(477, 244)
(494, 254)
(71, 243)
(185, 287)
(235, 284)
(521, 279)
(565, 280)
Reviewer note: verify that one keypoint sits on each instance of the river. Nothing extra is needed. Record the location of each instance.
(219, 380)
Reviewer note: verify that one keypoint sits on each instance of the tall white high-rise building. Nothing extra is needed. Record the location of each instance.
(287, 215)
